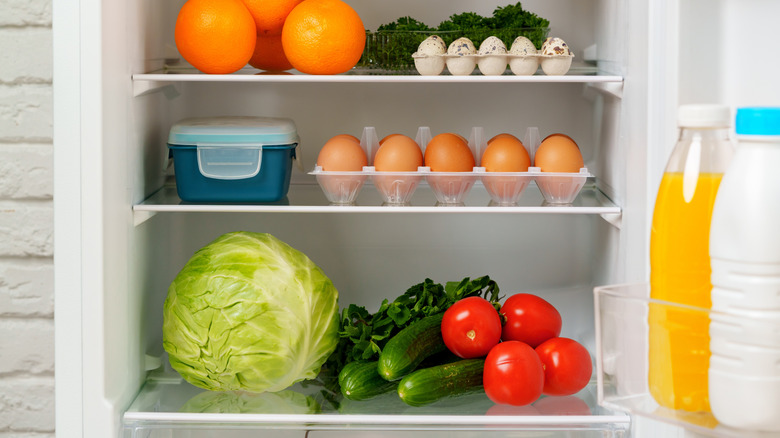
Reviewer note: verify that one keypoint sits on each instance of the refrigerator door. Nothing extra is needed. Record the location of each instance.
(698, 52)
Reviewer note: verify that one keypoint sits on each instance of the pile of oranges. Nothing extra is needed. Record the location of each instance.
(320, 37)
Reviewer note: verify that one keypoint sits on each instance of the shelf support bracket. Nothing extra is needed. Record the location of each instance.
(614, 89)
(614, 219)
(141, 216)
(141, 88)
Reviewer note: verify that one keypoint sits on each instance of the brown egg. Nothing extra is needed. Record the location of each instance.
(389, 136)
(558, 134)
(558, 153)
(465, 140)
(449, 153)
(502, 135)
(349, 136)
(505, 154)
(398, 153)
(342, 154)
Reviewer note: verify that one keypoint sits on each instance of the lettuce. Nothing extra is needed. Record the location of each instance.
(248, 312)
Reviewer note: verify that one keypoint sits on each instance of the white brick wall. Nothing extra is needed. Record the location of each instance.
(26, 270)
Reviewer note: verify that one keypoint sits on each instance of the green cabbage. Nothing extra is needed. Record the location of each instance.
(249, 312)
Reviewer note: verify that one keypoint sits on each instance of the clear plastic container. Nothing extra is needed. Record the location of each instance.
(233, 159)
(622, 344)
(679, 257)
(393, 50)
(560, 187)
(450, 188)
(396, 188)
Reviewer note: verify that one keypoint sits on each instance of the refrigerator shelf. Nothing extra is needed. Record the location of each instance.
(171, 404)
(622, 346)
(144, 83)
(308, 198)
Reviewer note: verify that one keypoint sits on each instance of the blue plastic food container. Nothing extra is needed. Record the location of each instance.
(233, 159)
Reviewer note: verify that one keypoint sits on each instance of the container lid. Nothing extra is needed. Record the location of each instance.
(233, 130)
(758, 121)
(704, 116)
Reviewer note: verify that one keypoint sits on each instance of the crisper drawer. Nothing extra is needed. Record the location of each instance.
(167, 406)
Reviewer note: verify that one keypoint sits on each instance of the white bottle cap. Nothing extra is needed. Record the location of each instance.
(704, 116)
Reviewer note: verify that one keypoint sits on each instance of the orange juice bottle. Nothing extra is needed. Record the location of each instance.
(679, 258)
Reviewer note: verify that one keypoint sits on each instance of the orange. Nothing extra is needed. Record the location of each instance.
(269, 54)
(215, 36)
(323, 37)
(269, 15)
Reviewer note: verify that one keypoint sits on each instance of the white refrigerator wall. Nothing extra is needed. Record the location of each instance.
(112, 275)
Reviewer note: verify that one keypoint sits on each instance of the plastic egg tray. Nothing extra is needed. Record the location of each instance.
(450, 188)
(492, 65)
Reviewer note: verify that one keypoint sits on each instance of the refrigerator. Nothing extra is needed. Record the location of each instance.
(122, 234)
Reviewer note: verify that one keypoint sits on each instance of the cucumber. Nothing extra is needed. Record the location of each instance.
(428, 385)
(361, 381)
(404, 351)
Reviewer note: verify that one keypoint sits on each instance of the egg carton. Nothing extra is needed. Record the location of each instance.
(450, 188)
(492, 65)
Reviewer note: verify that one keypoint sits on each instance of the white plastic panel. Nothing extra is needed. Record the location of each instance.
(726, 52)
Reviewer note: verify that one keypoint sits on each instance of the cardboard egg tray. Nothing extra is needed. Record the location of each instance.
(493, 64)
(450, 188)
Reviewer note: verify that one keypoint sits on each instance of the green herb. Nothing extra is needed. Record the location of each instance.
(405, 23)
(514, 17)
(465, 21)
(363, 335)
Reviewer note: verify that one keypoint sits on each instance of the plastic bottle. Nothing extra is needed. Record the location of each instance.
(744, 374)
(679, 258)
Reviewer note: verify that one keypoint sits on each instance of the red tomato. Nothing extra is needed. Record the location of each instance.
(471, 327)
(530, 319)
(513, 374)
(567, 366)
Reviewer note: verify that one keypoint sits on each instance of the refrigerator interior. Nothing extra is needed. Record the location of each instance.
(132, 249)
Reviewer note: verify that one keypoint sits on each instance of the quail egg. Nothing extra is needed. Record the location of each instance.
(428, 58)
(492, 46)
(460, 59)
(522, 46)
(556, 56)
(522, 57)
(492, 56)
(555, 47)
(462, 46)
(433, 45)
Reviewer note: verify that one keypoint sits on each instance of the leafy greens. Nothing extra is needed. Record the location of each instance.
(363, 334)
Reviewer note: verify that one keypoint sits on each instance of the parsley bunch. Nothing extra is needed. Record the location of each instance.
(392, 45)
(363, 335)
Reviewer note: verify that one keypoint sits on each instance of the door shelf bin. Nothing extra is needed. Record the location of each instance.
(622, 344)
(171, 407)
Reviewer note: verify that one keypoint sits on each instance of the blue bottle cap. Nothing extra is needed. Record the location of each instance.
(758, 121)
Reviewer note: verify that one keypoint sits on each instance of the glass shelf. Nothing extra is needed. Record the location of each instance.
(144, 83)
(167, 403)
(308, 198)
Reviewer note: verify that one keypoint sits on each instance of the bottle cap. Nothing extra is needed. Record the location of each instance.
(704, 116)
(758, 121)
